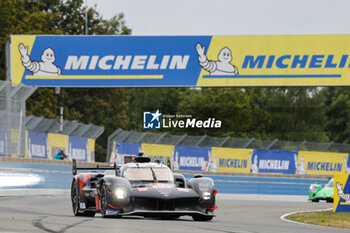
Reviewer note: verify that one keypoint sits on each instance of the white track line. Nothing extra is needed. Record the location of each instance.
(283, 217)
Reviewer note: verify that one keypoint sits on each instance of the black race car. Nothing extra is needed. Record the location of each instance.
(141, 188)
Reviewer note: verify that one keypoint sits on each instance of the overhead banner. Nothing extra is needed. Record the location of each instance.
(341, 193)
(320, 163)
(192, 158)
(230, 160)
(146, 61)
(273, 161)
(37, 145)
(163, 153)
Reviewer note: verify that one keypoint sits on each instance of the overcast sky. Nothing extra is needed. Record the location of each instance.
(230, 17)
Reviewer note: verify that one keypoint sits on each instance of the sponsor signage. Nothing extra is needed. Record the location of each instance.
(77, 148)
(145, 61)
(161, 153)
(37, 145)
(320, 163)
(341, 193)
(124, 151)
(192, 158)
(273, 161)
(230, 160)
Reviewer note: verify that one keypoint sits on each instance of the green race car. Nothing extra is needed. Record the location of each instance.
(318, 192)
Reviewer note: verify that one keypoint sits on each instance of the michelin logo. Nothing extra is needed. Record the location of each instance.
(151, 120)
(45, 67)
(222, 66)
(137, 62)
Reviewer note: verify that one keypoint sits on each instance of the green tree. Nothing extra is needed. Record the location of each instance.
(338, 113)
(106, 107)
(298, 113)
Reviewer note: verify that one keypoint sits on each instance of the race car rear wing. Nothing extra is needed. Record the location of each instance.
(97, 167)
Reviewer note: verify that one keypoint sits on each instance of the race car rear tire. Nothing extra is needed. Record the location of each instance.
(202, 218)
(315, 200)
(76, 204)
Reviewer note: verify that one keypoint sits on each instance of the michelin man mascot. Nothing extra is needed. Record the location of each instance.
(43, 68)
(346, 167)
(176, 161)
(212, 165)
(253, 164)
(300, 167)
(342, 195)
(221, 67)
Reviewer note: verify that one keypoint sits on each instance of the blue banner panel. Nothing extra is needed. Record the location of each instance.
(123, 149)
(347, 164)
(77, 148)
(109, 60)
(37, 145)
(2, 141)
(273, 161)
(192, 158)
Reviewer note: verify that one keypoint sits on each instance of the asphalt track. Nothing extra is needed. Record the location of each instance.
(235, 214)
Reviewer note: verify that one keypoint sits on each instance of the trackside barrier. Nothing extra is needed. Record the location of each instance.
(231, 160)
(46, 145)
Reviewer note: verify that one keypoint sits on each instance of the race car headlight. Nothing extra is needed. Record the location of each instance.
(120, 193)
(313, 189)
(206, 195)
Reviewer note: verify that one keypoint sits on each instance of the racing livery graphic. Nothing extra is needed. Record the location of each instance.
(221, 67)
(45, 67)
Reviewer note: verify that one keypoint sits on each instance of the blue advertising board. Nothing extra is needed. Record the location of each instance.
(2, 141)
(37, 145)
(192, 158)
(105, 61)
(273, 161)
(123, 149)
(77, 148)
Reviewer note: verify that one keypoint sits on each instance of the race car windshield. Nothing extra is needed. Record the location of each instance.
(149, 174)
(330, 184)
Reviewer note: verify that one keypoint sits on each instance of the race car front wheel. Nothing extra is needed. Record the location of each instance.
(75, 203)
(103, 200)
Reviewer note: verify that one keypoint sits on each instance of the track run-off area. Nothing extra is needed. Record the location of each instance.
(245, 204)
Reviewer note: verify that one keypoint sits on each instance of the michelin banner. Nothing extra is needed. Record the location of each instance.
(123, 149)
(163, 153)
(77, 148)
(273, 161)
(56, 142)
(321, 163)
(230, 160)
(192, 158)
(341, 193)
(36, 145)
(130, 61)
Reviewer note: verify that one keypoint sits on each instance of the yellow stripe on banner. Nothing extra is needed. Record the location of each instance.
(68, 77)
(345, 203)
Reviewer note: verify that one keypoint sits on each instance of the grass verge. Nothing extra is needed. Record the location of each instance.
(324, 218)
